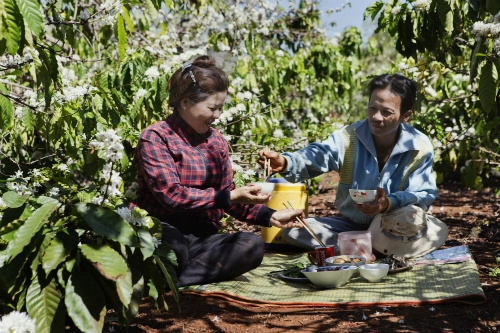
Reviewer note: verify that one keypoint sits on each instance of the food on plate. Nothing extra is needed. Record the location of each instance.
(396, 262)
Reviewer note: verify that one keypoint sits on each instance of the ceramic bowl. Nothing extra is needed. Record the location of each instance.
(266, 187)
(363, 196)
(330, 277)
(346, 260)
(374, 272)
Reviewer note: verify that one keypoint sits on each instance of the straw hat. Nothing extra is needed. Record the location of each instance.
(407, 232)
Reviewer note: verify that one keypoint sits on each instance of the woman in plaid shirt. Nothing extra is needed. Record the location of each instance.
(185, 180)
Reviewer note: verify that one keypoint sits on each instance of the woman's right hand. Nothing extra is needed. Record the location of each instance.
(249, 195)
(277, 161)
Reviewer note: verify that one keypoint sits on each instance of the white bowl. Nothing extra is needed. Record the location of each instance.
(266, 187)
(362, 196)
(374, 272)
(347, 260)
(325, 278)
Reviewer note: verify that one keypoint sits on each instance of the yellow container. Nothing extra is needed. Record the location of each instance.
(296, 194)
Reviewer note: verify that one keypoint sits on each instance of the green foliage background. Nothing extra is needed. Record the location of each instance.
(70, 70)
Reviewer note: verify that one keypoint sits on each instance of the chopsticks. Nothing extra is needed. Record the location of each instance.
(267, 164)
(304, 223)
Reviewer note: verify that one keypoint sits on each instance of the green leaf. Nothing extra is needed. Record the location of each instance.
(171, 277)
(26, 232)
(128, 20)
(32, 15)
(445, 15)
(122, 38)
(477, 57)
(147, 244)
(42, 304)
(108, 223)
(58, 250)
(373, 9)
(12, 25)
(107, 261)
(14, 200)
(153, 11)
(124, 287)
(5, 110)
(493, 6)
(85, 301)
(488, 83)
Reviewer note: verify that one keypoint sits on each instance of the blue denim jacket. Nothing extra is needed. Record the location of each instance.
(407, 177)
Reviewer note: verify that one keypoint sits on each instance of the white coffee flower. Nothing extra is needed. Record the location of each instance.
(420, 5)
(17, 322)
(152, 73)
(140, 93)
(18, 113)
(280, 53)
(54, 191)
(429, 90)
(278, 133)
(156, 242)
(396, 10)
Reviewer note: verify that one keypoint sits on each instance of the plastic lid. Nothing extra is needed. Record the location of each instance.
(354, 235)
(289, 187)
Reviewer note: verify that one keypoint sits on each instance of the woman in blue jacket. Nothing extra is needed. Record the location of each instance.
(382, 152)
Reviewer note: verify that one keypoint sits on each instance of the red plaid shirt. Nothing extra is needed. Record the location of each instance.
(185, 178)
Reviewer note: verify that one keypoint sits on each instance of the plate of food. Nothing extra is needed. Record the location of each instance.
(293, 273)
(397, 264)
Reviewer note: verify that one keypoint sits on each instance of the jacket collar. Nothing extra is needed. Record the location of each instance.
(406, 141)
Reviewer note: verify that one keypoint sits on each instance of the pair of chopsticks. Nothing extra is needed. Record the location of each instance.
(267, 164)
(304, 223)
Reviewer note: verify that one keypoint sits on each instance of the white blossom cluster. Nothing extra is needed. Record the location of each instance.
(22, 185)
(112, 180)
(488, 30)
(110, 143)
(17, 322)
(396, 10)
(111, 9)
(141, 221)
(140, 93)
(421, 5)
(152, 73)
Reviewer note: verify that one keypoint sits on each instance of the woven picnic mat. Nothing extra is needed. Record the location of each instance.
(429, 284)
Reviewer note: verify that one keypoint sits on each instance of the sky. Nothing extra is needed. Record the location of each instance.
(349, 16)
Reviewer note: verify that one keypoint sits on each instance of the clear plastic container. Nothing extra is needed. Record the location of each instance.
(356, 243)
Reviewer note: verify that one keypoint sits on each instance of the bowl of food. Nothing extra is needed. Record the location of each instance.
(266, 187)
(329, 276)
(363, 196)
(346, 260)
(374, 272)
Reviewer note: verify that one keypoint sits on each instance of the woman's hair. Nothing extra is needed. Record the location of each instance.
(196, 81)
(398, 85)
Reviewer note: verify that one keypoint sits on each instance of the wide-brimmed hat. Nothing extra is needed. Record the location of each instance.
(407, 232)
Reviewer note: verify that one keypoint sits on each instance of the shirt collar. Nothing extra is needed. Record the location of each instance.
(179, 125)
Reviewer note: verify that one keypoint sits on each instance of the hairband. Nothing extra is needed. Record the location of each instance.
(188, 65)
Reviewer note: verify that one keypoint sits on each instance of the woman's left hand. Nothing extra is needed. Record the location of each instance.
(249, 195)
(380, 205)
(287, 218)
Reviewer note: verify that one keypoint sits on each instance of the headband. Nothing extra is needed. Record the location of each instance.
(188, 65)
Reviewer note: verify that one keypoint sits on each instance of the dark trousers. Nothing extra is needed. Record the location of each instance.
(214, 257)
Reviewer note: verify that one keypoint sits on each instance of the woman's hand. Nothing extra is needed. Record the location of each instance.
(249, 195)
(381, 204)
(286, 218)
(277, 161)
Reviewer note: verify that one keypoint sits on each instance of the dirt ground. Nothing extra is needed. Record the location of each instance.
(473, 218)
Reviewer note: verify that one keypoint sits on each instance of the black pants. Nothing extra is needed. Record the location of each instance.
(215, 257)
